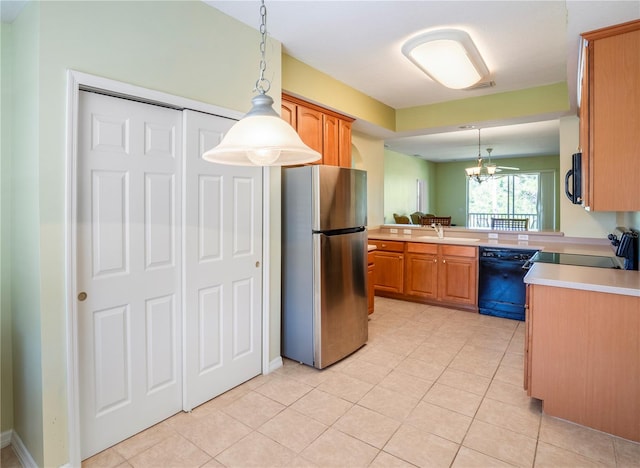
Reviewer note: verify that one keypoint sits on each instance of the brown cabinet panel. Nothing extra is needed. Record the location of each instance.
(288, 113)
(345, 143)
(309, 127)
(458, 280)
(371, 281)
(391, 246)
(583, 353)
(331, 141)
(422, 275)
(610, 118)
(389, 271)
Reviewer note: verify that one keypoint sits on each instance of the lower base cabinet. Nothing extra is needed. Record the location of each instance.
(582, 357)
(432, 273)
(389, 271)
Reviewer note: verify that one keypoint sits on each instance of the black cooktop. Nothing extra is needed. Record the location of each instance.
(575, 259)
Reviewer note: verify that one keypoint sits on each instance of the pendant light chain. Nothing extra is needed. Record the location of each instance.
(262, 84)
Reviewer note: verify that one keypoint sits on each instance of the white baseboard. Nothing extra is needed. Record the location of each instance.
(23, 454)
(5, 438)
(275, 364)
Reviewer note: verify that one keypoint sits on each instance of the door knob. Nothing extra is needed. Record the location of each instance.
(82, 296)
(258, 264)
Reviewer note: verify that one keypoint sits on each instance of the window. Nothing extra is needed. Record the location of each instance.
(520, 195)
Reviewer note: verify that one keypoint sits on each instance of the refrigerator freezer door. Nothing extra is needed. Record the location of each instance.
(339, 198)
(340, 300)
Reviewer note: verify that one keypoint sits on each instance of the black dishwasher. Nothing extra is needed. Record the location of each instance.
(501, 289)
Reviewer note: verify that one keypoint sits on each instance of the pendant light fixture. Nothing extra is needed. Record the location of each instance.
(481, 172)
(261, 137)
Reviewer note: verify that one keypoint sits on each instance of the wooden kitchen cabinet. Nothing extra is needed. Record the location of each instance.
(321, 129)
(582, 357)
(389, 261)
(610, 118)
(446, 273)
(344, 149)
(458, 278)
(422, 270)
(371, 265)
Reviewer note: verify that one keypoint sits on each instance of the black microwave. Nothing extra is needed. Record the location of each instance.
(573, 180)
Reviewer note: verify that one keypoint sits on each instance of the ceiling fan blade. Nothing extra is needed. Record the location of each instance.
(509, 168)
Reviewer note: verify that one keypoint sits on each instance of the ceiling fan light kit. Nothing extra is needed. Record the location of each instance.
(481, 172)
(261, 137)
(449, 57)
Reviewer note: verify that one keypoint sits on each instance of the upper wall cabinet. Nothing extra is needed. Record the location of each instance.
(610, 118)
(325, 131)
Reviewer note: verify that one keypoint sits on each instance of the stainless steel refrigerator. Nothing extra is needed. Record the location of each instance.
(324, 263)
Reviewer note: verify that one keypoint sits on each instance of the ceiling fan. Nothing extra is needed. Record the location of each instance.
(499, 168)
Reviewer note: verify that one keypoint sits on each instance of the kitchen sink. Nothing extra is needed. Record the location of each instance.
(451, 239)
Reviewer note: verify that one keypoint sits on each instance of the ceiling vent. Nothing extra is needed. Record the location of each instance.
(484, 84)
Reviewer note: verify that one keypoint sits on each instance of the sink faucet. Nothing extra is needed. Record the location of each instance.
(439, 230)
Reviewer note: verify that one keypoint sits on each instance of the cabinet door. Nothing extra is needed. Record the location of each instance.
(370, 288)
(458, 280)
(330, 140)
(345, 143)
(389, 271)
(614, 100)
(309, 123)
(288, 113)
(421, 275)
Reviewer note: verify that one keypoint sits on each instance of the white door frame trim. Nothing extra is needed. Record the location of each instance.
(75, 81)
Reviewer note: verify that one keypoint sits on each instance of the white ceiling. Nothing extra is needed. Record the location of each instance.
(524, 43)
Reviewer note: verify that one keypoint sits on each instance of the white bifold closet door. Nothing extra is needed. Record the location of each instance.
(168, 298)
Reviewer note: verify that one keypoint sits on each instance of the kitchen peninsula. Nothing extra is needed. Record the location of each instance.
(413, 263)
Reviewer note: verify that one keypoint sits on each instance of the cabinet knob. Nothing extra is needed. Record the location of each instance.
(444, 261)
(383, 245)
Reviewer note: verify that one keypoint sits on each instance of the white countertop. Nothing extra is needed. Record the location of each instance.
(606, 280)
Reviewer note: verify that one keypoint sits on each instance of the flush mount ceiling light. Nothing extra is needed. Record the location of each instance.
(447, 56)
(481, 172)
(261, 137)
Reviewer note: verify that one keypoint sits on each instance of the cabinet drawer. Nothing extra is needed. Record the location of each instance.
(421, 247)
(389, 246)
(459, 250)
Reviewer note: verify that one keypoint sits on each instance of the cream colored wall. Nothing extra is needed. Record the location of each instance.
(368, 154)
(304, 81)
(181, 48)
(574, 219)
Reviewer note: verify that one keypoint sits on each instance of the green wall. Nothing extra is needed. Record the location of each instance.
(400, 175)
(451, 183)
(24, 234)
(182, 48)
(6, 363)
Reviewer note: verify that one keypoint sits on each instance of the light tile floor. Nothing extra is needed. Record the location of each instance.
(433, 387)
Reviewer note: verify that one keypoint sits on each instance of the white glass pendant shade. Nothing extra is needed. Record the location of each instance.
(261, 138)
(447, 56)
